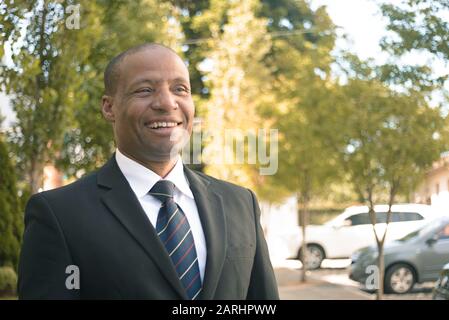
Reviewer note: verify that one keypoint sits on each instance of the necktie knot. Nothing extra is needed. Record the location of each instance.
(163, 190)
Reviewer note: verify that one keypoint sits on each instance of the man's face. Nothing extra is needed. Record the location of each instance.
(152, 109)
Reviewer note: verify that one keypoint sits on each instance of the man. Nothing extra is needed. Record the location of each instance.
(144, 226)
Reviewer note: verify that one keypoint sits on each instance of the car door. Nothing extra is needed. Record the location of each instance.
(381, 225)
(436, 254)
(355, 233)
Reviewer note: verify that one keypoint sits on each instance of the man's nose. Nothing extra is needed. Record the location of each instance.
(165, 100)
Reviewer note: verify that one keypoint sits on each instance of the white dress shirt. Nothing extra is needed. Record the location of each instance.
(142, 179)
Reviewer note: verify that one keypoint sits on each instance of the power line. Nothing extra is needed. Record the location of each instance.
(273, 34)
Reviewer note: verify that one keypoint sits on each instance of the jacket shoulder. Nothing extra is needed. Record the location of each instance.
(80, 186)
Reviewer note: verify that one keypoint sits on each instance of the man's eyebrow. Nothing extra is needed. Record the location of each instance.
(156, 81)
(145, 80)
(180, 79)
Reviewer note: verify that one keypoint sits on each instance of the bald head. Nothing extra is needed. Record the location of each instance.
(112, 71)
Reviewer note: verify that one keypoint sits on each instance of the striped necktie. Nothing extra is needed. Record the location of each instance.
(174, 231)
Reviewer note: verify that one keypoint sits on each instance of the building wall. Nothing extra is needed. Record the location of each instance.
(435, 188)
(279, 221)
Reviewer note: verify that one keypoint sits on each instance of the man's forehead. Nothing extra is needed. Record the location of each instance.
(157, 56)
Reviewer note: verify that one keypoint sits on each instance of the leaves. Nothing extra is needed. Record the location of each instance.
(11, 226)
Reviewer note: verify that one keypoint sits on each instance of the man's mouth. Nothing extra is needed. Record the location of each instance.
(162, 126)
(158, 125)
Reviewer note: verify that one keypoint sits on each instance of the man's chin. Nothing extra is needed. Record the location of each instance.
(166, 153)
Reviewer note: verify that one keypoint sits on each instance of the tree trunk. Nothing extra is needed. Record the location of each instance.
(381, 266)
(303, 218)
(35, 176)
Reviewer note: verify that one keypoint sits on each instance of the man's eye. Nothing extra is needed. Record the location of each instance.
(144, 90)
(181, 89)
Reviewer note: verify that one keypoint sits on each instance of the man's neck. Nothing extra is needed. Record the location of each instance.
(161, 168)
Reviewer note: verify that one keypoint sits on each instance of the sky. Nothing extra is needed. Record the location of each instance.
(359, 19)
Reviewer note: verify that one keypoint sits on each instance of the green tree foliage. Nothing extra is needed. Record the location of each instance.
(195, 43)
(10, 211)
(294, 26)
(237, 78)
(300, 59)
(416, 26)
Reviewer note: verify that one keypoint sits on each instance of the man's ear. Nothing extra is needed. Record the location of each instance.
(106, 108)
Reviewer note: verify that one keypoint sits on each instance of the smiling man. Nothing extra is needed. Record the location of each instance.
(144, 226)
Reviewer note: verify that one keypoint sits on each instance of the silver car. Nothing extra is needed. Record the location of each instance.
(417, 257)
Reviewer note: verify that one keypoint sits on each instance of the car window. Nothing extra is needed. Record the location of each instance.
(430, 227)
(359, 219)
(406, 216)
(381, 217)
(396, 216)
(411, 235)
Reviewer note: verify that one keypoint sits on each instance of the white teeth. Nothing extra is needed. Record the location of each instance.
(156, 125)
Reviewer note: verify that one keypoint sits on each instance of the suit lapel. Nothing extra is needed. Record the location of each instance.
(210, 209)
(123, 203)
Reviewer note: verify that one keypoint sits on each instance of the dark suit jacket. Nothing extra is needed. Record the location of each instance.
(98, 225)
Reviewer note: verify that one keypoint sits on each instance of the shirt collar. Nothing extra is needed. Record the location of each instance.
(142, 179)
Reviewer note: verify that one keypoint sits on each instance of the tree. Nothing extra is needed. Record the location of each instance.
(237, 78)
(11, 217)
(307, 166)
(42, 79)
(388, 139)
(300, 60)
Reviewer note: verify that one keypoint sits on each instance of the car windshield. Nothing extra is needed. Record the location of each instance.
(427, 228)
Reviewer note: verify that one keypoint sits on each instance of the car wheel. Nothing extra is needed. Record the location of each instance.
(399, 279)
(315, 256)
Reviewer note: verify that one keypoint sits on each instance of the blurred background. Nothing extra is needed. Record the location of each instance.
(357, 90)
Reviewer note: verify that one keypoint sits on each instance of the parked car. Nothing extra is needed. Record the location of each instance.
(352, 230)
(417, 257)
(441, 290)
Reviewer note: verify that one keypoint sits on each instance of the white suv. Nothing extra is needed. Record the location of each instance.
(352, 230)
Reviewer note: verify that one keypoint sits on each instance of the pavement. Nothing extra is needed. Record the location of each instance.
(331, 283)
(315, 288)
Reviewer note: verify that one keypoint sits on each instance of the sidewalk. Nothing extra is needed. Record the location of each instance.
(290, 288)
